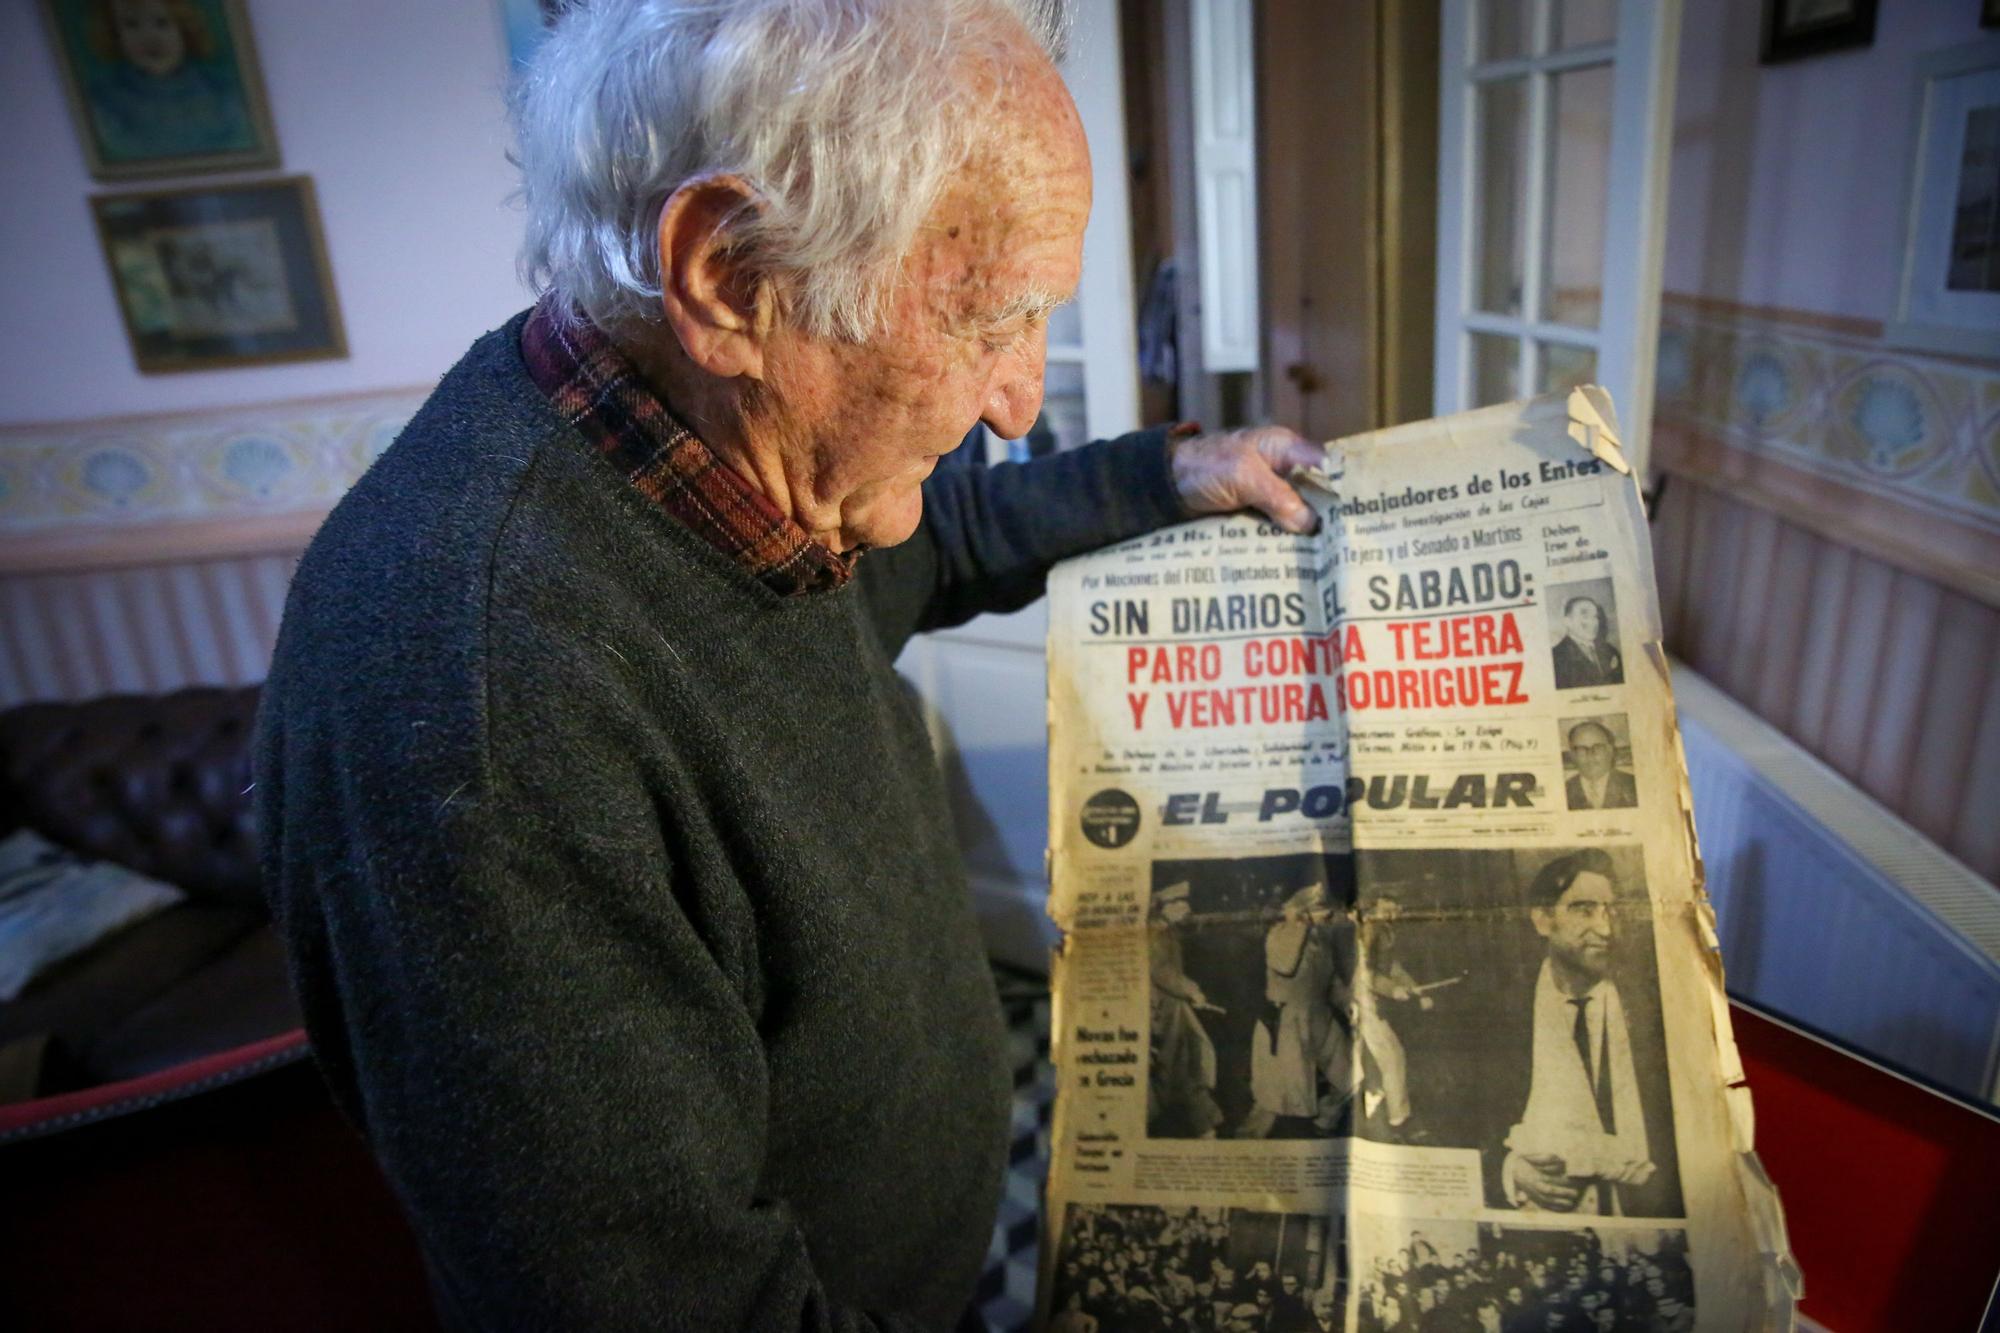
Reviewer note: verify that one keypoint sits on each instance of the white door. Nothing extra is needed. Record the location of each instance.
(985, 683)
(1554, 128)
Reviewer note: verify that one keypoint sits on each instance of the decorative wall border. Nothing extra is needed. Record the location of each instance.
(1890, 451)
(71, 481)
(1827, 396)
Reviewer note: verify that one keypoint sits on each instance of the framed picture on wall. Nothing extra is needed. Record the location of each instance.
(233, 275)
(1797, 28)
(1948, 286)
(162, 87)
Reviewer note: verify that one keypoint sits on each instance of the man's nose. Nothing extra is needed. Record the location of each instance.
(1014, 394)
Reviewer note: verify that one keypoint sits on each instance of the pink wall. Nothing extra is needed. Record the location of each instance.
(1788, 180)
(394, 109)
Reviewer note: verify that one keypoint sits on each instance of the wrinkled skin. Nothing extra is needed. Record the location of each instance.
(840, 436)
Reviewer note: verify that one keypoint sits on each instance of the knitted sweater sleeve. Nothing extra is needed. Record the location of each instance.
(989, 535)
(552, 1035)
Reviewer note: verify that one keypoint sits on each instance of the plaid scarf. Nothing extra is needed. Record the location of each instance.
(596, 389)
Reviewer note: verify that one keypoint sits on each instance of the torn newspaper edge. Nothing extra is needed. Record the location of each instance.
(1388, 976)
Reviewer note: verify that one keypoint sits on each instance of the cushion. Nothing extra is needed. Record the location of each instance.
(92, 991)
(54, 904)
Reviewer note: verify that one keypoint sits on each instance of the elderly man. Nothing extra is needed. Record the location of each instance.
(1598, 783)
(1585, 655)
(615, 868)
(1583, 1132)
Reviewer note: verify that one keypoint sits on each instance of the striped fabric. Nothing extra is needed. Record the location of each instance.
(596, 389)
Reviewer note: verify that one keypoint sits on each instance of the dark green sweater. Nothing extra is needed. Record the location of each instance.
(621, 893)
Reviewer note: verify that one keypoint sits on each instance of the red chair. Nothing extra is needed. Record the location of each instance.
(1891, 1188)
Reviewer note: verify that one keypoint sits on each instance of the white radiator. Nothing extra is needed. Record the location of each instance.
(1835, 912)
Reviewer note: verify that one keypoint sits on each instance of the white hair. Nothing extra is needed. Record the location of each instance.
(845, 117)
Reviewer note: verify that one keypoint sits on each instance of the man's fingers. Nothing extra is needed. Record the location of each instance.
(1262, 487)
(1297, 454)
(1282, 502)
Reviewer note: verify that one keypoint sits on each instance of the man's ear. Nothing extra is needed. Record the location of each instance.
(1544, 921)
(718, 306)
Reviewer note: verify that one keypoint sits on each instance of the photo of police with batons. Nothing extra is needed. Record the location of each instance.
(1380, 904)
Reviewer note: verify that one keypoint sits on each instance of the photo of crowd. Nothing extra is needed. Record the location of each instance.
(1447, 1277)
(1138, 1268)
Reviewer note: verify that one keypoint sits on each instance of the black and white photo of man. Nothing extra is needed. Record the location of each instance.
(1380, 981)
(1299, 1051)
(1181, 1083)
(1252, 1014)
(1582, 1138)
(1583, 619)
(1592, 749)
(1468, 934)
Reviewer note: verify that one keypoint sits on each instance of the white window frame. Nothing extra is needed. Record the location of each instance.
(1222, 47)
(1642, 58)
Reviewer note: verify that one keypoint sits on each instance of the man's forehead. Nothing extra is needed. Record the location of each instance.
(1588, 887)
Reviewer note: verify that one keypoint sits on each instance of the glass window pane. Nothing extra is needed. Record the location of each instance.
(1584, 23)
(1563, 367)
(1579, 164)
(1496, 369)
(1501, 168)
(1061, 424)
(1503, 28)
(1066, 325)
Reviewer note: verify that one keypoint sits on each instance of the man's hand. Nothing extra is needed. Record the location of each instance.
(1541, 1179)
(1246, 469)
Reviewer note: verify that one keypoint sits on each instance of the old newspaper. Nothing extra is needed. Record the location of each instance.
(1388, 996)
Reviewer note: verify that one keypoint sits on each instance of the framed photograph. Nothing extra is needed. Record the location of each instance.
(1797, 28)
(219, 276)
(1948, 286)
(162, 87)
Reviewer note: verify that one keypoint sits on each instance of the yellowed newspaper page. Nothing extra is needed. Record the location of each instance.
(1388, 984)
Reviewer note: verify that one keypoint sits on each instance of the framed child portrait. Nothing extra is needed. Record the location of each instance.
(215, 276)
(162, 87)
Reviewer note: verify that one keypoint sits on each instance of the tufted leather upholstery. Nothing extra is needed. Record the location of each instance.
(155, 782)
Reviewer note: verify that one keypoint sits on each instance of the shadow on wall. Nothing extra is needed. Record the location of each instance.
(1730, 137)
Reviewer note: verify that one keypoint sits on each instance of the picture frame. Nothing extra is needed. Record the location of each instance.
(1948, 278)
(1795, 29)
(162, 87)
(213, 276)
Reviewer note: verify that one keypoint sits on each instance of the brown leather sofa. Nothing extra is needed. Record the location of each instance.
(178, 1163)
(159, 784)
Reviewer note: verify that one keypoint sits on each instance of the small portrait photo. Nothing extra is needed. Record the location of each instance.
(1422, 1273)
(222, 276)
(1597, 762)
(1141, 1266)
(1508, 1001)
(162, 87)
(1583, 634)
(1250, 1026)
